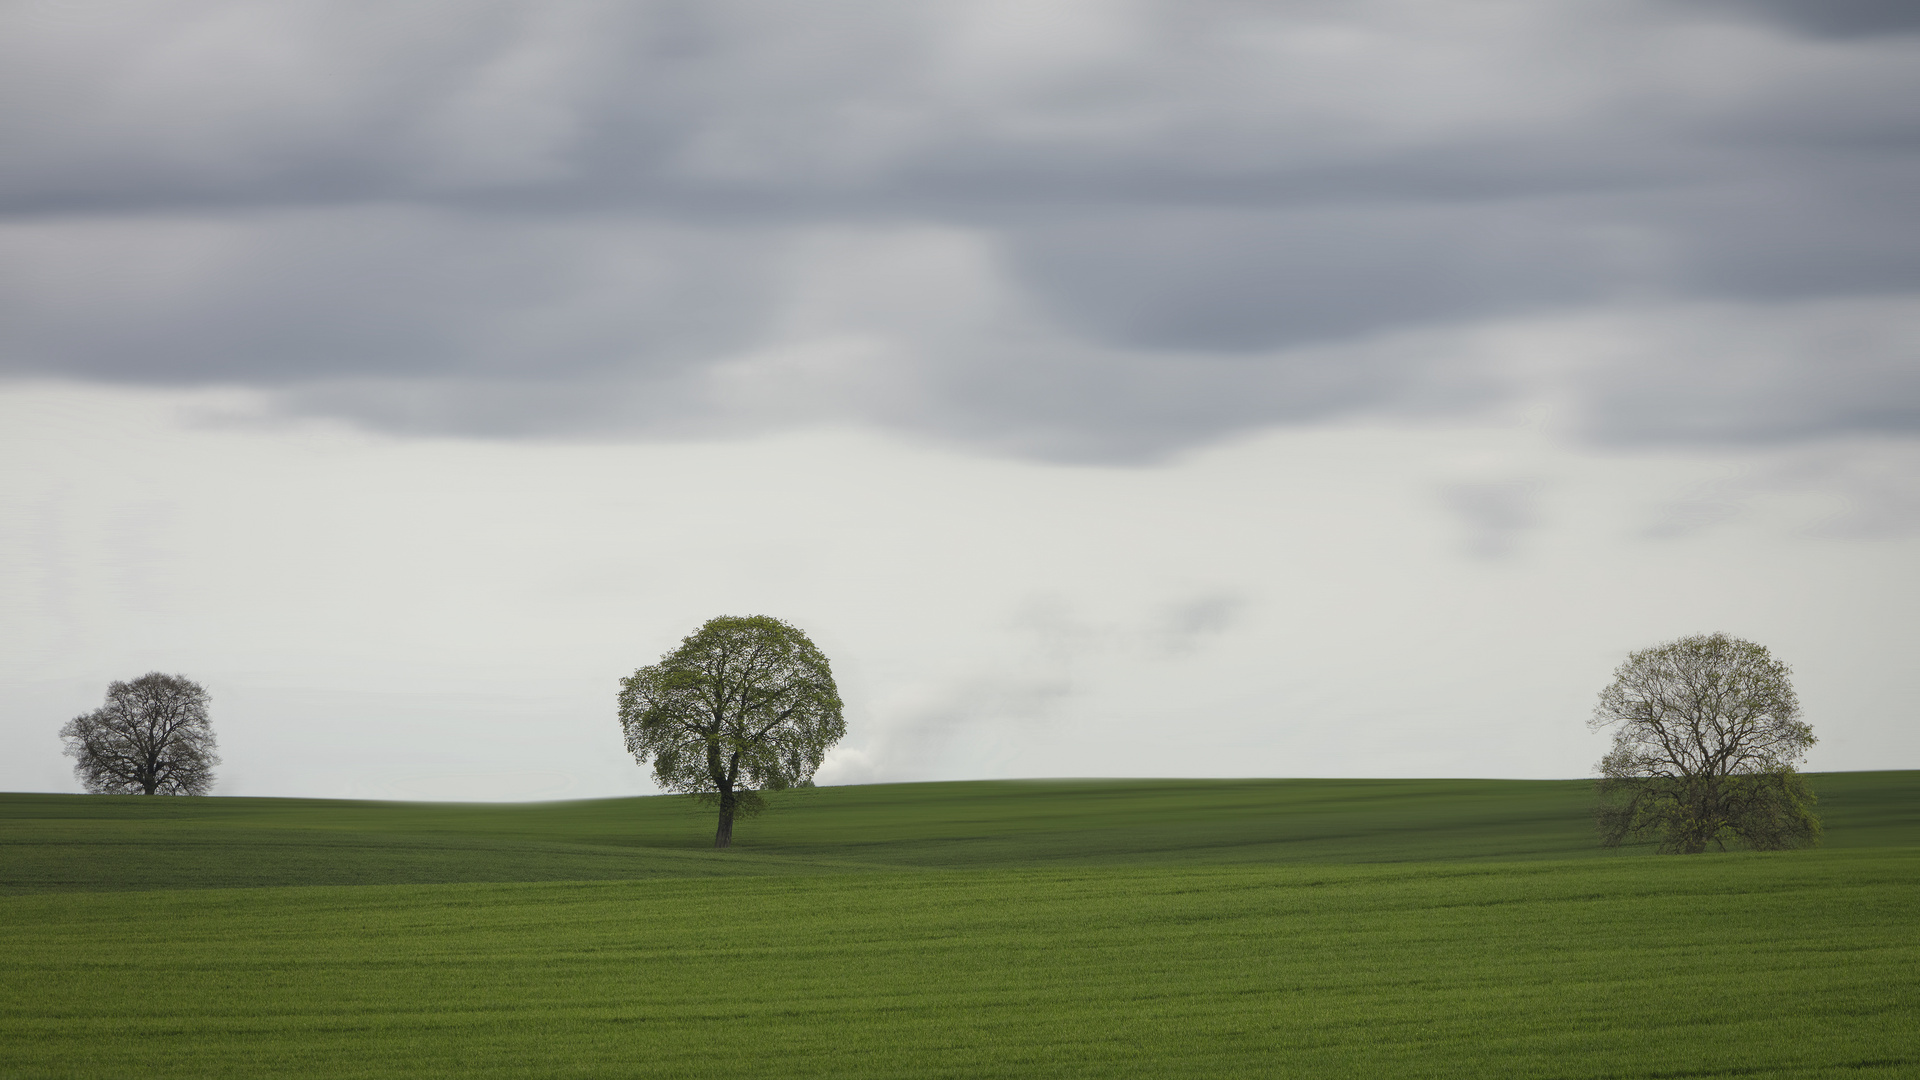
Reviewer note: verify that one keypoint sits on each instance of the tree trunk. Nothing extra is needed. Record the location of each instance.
(723, 837)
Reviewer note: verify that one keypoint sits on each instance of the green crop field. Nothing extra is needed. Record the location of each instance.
(1063, 928)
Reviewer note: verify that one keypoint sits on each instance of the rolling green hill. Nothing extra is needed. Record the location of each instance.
(1434, 928)
(67, 842)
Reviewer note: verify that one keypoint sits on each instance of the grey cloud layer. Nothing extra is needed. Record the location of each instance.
(1089, 230)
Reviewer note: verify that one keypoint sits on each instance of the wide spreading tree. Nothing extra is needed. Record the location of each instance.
(744, 705)
(1707, 737)
(152, 737)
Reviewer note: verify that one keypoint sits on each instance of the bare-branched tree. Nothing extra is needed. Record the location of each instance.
(1708, 737)
(150, 738)
(743, 705)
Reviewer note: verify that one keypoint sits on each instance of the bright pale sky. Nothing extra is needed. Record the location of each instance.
(445, 618)
(1110, 389)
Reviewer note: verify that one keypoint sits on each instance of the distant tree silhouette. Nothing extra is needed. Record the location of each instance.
(743, 705)
(152, 737)
(1708, 734)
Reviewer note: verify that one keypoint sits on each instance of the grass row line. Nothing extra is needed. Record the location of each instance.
(78, 842)
(1796, 964)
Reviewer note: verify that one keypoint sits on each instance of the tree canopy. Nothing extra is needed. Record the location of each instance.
(152, 737)
(1707, 736)
(744, 705)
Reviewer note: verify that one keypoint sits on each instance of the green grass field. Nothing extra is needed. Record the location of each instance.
(1076, 928)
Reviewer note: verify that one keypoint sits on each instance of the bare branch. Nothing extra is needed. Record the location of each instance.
(152, 737)
(1708, 736)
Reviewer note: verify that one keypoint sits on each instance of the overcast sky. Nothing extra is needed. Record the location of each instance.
(1110, 388)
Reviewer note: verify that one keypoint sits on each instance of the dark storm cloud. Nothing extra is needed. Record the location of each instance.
(1839, 18)
(346, 292)
(1091, 230)
(1239, 280)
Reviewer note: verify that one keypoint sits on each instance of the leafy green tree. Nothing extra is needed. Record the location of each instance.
(1708, 733)
(744, 705)
(152, 737)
